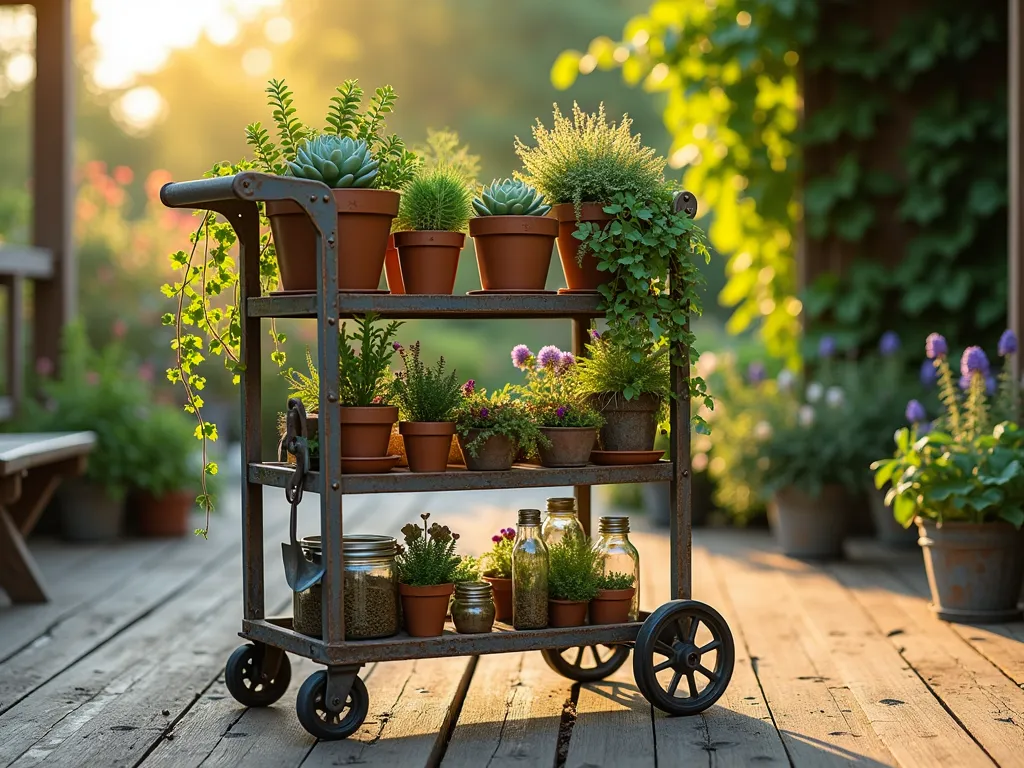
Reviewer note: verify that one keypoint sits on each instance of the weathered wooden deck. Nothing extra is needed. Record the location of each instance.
(836, 665)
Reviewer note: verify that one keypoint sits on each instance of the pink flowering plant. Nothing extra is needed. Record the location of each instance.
(494, 414)
(550, 391)
(966, 465)
(498, 561)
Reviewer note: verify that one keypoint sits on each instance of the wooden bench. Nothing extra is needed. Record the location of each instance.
(31, 468)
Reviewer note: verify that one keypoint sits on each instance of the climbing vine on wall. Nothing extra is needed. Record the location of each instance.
(731, 72)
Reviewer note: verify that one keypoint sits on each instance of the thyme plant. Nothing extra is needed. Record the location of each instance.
(574, 569)
(425, 393)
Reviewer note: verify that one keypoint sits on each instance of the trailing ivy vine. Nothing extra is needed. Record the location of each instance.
(731, 72)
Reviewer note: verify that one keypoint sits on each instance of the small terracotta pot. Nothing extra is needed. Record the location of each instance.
(429, 260)
(364, 222)
(365, 430)
(501, 591)
(630, 425)
(611, 606)
(567, 613)
(513, 252)
(166, 515)
(495, 455)
(569, 447)
(392, 269)
(427, 444)
(585, 277)
(425, 608)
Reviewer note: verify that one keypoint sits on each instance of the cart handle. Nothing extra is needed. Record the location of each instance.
(249, 185)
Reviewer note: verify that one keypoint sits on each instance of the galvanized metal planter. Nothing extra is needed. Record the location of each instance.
(809, 527)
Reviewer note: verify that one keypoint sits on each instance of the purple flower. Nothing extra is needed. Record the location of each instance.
(468, 387)
(495, 539)
(924, 428)
(974, 361)
(484, 413)
(826, 347)
(965, 382)
(928, 374)
(509, 533)
(889, 344)
(756, 372)
(396, 346)
(990, 384)
(1007, 343)
(594, 334)
(521, 355)
(935, 346)
(560, 412)
(549, 356)
(915, 412)
(567, 361)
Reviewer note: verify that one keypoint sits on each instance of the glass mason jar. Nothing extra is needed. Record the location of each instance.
(618, 555)
(371, 589)
(473, 607)
(560, 520)
(529, 573)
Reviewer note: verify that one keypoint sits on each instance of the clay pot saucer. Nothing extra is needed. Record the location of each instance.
(578, 291)
(510, 292)
(368, 466)
(616, 458)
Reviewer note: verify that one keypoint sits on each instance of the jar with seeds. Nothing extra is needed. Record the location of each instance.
(371, 589)
(529, 573)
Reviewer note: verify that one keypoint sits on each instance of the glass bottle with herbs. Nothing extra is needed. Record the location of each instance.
(618, 555)
(561, 520)
(529, 573)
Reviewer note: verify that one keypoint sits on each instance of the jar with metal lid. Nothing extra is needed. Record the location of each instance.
(371, 589)
(473, 607)
(618, 555)
(560, 520)
(529, 573)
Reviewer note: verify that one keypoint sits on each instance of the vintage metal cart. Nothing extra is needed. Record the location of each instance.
(682, 644)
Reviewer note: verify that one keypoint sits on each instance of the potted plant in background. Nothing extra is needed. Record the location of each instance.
(428, 399)
(362, 166)
(614, 598)
(574, 571)
(568, 424)
(493, 429)
(630, 393)
(513, 237)
(427, 567)
(578, 166)
(498, 572)
(961, 480)
(430, 230)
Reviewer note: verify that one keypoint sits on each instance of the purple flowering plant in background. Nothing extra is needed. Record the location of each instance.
(826, 347)
(497, 562)
(889, 344)
(756, 373)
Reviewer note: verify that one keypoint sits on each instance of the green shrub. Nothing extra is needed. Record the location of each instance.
(615, 580)
(422, 393)
(164, 456)
(574, 569)
(496, 414)
(436, 199)
(611, 368)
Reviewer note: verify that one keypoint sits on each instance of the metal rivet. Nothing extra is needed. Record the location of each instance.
(330, 240)
(327, 198)
(312, 198)
(686, 473)
(245, 184)
(335, 486)
(331, 397)
(330, 321)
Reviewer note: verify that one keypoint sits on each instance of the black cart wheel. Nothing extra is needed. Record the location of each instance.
(248, 682)
(683, 659)
(586, 663)
(318, 720)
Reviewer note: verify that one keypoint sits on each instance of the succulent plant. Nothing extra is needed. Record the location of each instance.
(336, 161)
(510, 198)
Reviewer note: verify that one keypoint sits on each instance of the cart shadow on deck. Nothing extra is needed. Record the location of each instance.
(836, 664)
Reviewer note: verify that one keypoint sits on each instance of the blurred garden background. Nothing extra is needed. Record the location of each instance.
(850, 169)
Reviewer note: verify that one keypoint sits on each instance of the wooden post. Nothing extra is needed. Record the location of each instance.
(1016, 197)
(52, 160)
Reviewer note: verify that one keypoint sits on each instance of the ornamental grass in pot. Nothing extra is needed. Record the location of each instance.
(497, 565)
(353, 157)
(430, 230)
(614, 598)
(513, 237)
(493, 429)
(960, 479)
(574, 571)
(428, 398)
(578, 166)
(427, 568)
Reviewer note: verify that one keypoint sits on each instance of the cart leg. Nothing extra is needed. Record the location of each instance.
(580, 334)
(339, 684)
(332, 704)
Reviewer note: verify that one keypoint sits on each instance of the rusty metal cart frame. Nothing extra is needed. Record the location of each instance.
(333, 702)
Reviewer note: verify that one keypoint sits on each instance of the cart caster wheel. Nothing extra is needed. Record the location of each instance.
(586, 664)
(683, 641)
(313, 713)
(244, 677)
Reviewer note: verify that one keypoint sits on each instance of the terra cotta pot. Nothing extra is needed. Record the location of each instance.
(365, 430)
(630, 425)
(611, 606)
(809, 527)
(429, 260)
(425, 608)
(392, 269)
(427, 444)
(513, 252)
(568, 446)
(501, 591)
(567, 613)
(974, 570)
(495, 454)
(585, 276)
(364, 222)
(164, 515)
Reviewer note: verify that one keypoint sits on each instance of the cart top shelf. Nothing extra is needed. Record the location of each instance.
(425, 306)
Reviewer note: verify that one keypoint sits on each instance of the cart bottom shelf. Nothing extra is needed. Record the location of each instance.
(278, 632)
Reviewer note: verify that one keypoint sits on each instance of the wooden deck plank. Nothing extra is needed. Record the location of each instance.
(511, 714)
(986, 703)
(816, 715)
